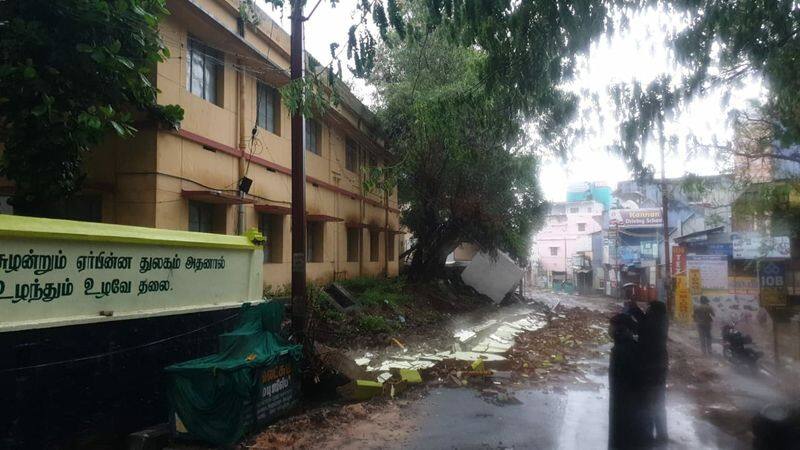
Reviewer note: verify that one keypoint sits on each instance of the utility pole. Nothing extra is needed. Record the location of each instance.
(297, 69)
(667, 280)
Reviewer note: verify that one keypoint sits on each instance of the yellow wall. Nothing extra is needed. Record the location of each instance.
(141, 179)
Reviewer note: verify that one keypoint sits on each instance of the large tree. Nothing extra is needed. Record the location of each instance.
(71, 72)
(720, 44)
(464, 171)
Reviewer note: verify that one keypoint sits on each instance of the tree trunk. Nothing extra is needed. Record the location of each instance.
(429, 258)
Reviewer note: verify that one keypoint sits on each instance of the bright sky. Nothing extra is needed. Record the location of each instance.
(638, 54)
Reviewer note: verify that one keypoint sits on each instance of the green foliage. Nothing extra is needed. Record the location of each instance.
(71, 72)
(322, 309)
(375, 324)
(723, 42)
(377, 291)
(529, 47)
(464, 172)
(310, 94)
(247, 12)
(271, 291)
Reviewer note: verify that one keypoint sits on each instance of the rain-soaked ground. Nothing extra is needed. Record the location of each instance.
(575, 417)
(709, 405)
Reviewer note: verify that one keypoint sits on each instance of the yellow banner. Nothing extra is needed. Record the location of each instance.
(695, 283)
(683, 300)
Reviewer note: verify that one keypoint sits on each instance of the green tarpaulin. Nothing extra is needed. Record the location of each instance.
(252, 379)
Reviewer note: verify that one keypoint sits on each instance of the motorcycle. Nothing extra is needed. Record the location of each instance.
(738, 347)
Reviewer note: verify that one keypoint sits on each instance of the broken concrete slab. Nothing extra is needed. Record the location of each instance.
(336, 360)
(493, 277)
(366, 389)
(341, 298)
(410, 376)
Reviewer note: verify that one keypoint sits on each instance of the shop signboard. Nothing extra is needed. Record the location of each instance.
(678, 259)
(752, 245)
(772, 283)
(629, 254)
(636, 218)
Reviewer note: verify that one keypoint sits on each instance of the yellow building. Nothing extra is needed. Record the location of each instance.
(225, 76)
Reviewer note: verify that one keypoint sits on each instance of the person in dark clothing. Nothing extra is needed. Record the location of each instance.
(652, 328)
(626, 427)
(703, 317)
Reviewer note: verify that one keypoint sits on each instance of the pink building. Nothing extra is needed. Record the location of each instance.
(566, 235)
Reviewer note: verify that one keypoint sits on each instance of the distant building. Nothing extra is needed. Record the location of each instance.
(564, 245)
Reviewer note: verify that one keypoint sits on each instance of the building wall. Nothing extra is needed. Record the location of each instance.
(565, 234)
(141, 180)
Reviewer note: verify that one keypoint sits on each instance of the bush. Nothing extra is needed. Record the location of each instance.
(375, 324)
(376, 291)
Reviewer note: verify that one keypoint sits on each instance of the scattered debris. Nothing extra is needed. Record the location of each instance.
(343, 300)
(494, 277)
(410, 376)
(551, 350)
(337, 361)
(362, 390)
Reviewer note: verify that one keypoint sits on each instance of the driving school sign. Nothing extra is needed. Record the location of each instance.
(636, 218)
(57, 272)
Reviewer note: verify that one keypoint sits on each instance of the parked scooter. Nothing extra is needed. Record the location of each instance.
(738, 347)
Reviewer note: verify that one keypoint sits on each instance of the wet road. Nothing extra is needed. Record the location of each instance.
(570, 416)
(575, 418)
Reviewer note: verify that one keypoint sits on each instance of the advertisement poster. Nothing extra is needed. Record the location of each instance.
(713, 270)
(683, 301)
(695, 282)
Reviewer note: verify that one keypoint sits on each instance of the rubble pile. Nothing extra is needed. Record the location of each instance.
(552, 350)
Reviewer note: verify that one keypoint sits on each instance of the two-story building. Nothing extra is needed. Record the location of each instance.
(226, 75)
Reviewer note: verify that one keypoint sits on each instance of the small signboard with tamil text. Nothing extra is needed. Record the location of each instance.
(58, 272)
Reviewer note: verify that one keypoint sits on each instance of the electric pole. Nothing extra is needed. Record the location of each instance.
(667, 280)
(297, 69)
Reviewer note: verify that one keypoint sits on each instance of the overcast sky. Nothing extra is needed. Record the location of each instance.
(637, 54)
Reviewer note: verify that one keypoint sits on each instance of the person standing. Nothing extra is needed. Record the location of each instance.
(626, 422)
(704, 317)
(652, 329)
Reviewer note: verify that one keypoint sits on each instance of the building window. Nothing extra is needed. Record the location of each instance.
(353, 238)
(581, 227)
(374, 244)
(204, 71)
(315, 237)
(271, 226)
(351, 155)
(553, 251)
(201, 217)
(574, 210)
(313, 135)
(390, 246)
(268, 108)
